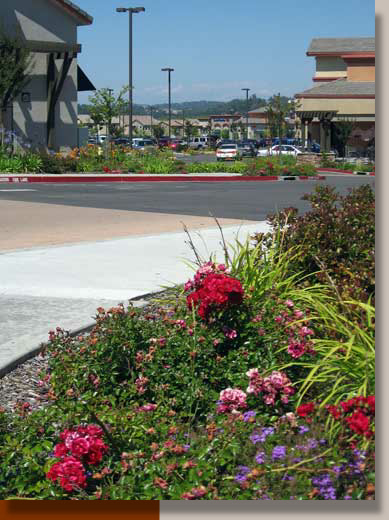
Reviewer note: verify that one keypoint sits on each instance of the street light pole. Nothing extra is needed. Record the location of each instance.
(279, 122)
(151, 121)
(130, 11)
(169, 70)
(247, 111)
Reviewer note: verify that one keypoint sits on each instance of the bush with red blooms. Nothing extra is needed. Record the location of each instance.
(357, 414)
(305, 409)
(214, 291)
(79, 446)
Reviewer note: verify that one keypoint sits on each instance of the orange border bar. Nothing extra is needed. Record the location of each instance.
(74, 510)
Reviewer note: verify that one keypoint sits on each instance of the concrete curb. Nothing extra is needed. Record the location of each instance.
(349, 172)
(152, 178)
(17, 361)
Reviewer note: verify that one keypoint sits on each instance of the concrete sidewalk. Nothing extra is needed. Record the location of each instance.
(42, 288)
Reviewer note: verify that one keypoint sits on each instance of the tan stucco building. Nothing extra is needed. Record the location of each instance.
(344, 90)
(44, 115)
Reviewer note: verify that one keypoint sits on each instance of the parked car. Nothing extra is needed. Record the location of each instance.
(142, 144)
(253, 142)
(228, 152)
(97, 139)
(247, 149)
(225, 141)
(163, 142)
(286, 149)
(197, 143)
(177, 144)
(122, 141)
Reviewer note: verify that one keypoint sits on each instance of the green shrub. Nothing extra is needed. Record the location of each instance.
(57, 165)
(338, 239)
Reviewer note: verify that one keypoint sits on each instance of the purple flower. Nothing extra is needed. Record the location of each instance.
(279, 452)
(347, 497)
(247, 415)
(260, 457)
(255, 437)
(287, 477)
(303, 429)
(244, 469)
(325, 487)
(186, 447)
(312, 444)
(242, 476)
(323, 442)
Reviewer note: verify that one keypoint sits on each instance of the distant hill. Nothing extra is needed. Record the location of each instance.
(193, 109)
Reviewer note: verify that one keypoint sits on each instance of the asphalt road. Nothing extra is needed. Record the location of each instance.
(240, 200)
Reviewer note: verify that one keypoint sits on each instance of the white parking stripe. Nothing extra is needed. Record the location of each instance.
(18, 189)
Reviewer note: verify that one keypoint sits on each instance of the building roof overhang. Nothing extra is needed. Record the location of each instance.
(342, 89)
(83, 18)
(58, 47)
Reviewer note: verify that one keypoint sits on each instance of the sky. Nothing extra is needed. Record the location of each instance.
(215, 47)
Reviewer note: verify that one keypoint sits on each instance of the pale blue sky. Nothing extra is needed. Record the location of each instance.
(216, 47)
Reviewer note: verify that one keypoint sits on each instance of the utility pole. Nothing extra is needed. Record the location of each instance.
(169, 70)
(247, 111)
(130, 11)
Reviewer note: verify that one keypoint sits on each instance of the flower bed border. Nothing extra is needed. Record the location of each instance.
(151, 178)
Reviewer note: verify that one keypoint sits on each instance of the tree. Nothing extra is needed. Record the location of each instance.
(189, 130)
(276, 112)
(341, 133)
(158, 131)
(15, 66)
(104, 106)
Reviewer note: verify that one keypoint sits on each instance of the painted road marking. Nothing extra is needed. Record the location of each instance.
(18, 189)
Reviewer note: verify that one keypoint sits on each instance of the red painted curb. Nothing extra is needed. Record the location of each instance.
(140, 178)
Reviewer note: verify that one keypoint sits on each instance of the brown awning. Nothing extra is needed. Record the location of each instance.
(319, 114)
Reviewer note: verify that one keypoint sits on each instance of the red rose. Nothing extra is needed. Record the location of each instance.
(334, 411)
(305, 409)
(359, 423)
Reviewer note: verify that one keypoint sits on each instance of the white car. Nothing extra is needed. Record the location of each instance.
(197, 143)
(142, 144)
(228, 152)
(286, 149)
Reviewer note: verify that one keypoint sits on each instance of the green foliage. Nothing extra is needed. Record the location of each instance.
(15, 62)
(23, 163)
(338, 237)
(57, 165)
(104, 106)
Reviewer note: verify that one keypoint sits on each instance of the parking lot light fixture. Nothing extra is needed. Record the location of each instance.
(247, 111)
(130, 11)
(151, 120)
(169, 70)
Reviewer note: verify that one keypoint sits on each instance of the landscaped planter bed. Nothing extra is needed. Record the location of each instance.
(253, 381)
